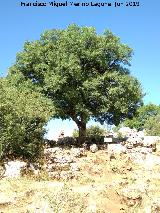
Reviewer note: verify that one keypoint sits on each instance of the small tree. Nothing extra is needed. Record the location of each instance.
(84, 74)
(23, 114)
(143, 115)
(152, 125)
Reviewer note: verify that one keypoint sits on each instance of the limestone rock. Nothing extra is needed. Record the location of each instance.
(93, 148)
(74, 167)
(133, 141)
(77, 152)
(124, 131)
(13, 168)
(150, 141)
(116, 148)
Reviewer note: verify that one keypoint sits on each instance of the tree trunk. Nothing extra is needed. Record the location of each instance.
(81, 123)
(82, 131)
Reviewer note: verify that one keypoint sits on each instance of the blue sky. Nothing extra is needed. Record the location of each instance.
(138, 27)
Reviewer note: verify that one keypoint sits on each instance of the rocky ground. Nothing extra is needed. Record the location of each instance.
(112, 180)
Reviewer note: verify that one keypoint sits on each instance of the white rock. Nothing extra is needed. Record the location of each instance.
(66, 175)
(131, 193)
(133, 141)
(125, 131)
(150, 140)
(13, 168)
(116, 148)
(52, 150)
(141, 134)
(82, 150)
(50, 167)
(76, 152)
(93, 148)
(131, 196)
(74, 167)
(137, 158)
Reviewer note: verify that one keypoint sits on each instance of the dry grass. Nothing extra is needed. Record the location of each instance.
(95, 190)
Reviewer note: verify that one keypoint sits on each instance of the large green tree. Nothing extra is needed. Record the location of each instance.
(84, 74)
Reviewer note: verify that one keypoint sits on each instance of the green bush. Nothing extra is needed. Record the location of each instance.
(91, 131)
(67, 141)
(94, 139)
(94, 134)
(23, 114)
(50, 143)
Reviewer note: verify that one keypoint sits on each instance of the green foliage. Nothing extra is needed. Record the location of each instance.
(50, 143)
(66, 141)
(143, 117)
(95, 131)
(23, 114)
(94, 134)
(84, 74)
(91, 131)
(75, 133)
(152, 125)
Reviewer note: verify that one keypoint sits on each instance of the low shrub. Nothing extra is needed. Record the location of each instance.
(66, 141)
(91, 131)
(50, 143)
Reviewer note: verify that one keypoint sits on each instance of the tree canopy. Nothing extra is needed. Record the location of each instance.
(85, 74)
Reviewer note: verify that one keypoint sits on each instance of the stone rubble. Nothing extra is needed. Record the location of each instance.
(65, 164)
(136, 146)
(77, 152)
(136, 138)
(61, 163)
